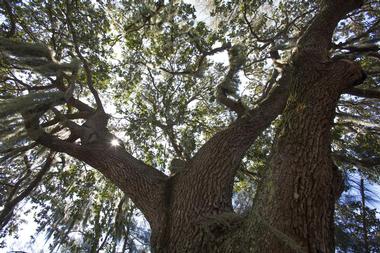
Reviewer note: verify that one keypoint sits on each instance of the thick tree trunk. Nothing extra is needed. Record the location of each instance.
(294, 208)
(293, 212)
(198, 200)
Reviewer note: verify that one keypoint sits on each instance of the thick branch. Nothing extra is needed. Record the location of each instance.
(221, 155)
(234, 105)
(365, 162)
(275, 56)
(366, 93)
(142, 183)
(316, 41)
(227, 88)
(58, 82)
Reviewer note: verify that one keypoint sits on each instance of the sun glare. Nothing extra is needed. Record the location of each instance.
(115, 142)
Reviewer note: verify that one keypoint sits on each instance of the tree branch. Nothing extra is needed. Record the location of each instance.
(86, 66)
(221, 155)
(12, 18)
(200, 61)
(366, 93)
(268, 41)
(316, 41)
(365, 162)
(147, 19)
(13, 202)
(361, 35)
(228, 87)
(142, 183)
(366, 48)
(58, 82)
(275, 56)
(234, 105)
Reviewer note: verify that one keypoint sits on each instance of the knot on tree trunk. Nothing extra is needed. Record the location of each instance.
(338, 182)
(220, 224)
(352, 72)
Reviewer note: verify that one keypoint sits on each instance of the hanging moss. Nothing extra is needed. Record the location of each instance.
(29, 102)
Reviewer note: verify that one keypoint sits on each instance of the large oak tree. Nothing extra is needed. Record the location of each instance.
(136, 91)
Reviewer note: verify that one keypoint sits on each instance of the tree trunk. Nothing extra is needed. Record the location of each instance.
(294, 207)
(189, 208)
(191, 211)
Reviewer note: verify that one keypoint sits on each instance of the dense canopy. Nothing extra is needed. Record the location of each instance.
(228, 126)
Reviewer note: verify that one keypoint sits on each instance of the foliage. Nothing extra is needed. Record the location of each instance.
(157, 67)
(349, 231)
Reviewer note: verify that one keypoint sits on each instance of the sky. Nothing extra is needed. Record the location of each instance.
(28, 229)
(23, 243)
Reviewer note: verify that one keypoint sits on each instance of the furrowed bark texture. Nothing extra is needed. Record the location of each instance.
(199, 208)
(294, 206)
(145, 185)
(191, 211)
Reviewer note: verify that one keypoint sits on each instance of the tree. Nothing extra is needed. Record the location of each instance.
(295, 59)
(357, 225)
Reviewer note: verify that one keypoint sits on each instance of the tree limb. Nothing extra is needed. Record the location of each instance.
(316, 41)
(200, 61)
(221, 155)
(142, 183)
(366, 93)
(86, 66)
(365, 162)
(361, 35)
(83, 107)
(12, 18)
(228, 87)
(147, 19)
(366, 48)
(13, 202)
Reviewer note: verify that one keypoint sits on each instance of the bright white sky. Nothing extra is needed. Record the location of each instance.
(23, 243)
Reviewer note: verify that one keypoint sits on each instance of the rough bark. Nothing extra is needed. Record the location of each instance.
(294, 207)
(200, 196)
(191, 211)
(143, 184)
(298, 193)
(183, 204)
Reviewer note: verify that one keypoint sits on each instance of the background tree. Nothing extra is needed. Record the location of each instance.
(357, 225)
(134, 90)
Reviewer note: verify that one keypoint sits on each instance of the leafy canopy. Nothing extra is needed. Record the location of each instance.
(168, 81)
